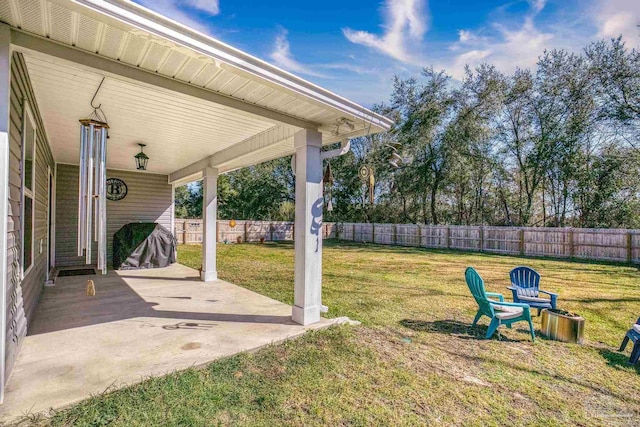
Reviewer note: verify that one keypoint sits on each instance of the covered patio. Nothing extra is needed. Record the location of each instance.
(140, 323)
(203, 109)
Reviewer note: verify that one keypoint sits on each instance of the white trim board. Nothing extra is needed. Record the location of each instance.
(5, 94)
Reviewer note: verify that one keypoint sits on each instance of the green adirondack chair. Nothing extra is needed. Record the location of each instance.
(500, 312)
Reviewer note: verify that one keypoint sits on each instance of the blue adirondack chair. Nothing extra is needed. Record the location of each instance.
(500, 312)
(633, 334)
(525, 287)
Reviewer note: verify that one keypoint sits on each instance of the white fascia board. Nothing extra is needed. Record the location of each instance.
(144, 19)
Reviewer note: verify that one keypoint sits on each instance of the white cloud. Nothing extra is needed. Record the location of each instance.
(618, 17)
(509, 45)
(465, 36)
(212, 7)
(405, 26)
(175, 9)
(506, 45)
(471, 58)
(467, 39)
(283, 57)
(508, 49)
(537, 5)
(345, 66)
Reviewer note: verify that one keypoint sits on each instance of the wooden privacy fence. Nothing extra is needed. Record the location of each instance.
(190, 231)
(583, 243)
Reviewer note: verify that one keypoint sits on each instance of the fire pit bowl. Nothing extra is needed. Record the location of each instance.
(562, 325)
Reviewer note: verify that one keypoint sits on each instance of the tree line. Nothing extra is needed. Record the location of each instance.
(555, 146)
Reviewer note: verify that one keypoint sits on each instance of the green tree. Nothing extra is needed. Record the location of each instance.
(556, 145)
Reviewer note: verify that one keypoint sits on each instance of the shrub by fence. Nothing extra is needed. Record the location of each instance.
(582, 243)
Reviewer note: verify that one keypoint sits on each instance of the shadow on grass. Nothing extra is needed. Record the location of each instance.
(618, 360)
(453, 327)
(615, 359)
(549, 375)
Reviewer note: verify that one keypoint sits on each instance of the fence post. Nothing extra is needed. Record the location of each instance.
(245, 232)
(481, 235)
(337, 231)
(629, 247)
(419, 235)
(270, 231)
(571, 245)
(353, 234)
(448, 237)
(373, 232)
(184, 231)
(395, 234)
(521, 233)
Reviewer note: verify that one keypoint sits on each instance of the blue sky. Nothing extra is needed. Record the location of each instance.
(354, 47)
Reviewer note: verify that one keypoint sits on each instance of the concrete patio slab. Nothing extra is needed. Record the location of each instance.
(140, 323)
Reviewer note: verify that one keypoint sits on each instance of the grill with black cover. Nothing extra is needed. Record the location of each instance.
(143, 245)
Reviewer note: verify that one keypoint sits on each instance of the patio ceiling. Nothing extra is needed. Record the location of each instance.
(178, 129)
(186, 95)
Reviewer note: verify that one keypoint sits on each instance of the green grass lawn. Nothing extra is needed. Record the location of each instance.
(414, 361)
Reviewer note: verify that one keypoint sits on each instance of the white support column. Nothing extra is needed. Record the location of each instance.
(173, 215)
(5, 94)
(209, 216)
(308, 228)
(173, 209)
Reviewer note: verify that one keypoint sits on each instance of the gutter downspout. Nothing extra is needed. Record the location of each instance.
(345, 147)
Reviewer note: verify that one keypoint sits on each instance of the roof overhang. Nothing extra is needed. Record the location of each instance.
(146, 20)
(154, 55)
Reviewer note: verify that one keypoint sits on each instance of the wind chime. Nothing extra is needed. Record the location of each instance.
(328, 181)
(367, 175)
(92, 200)
(367, 172)
(394, 158)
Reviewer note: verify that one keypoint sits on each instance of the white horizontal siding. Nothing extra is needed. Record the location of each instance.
(22, 296)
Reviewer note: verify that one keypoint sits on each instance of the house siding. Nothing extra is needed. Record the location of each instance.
(22, 296)
(149, 199)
